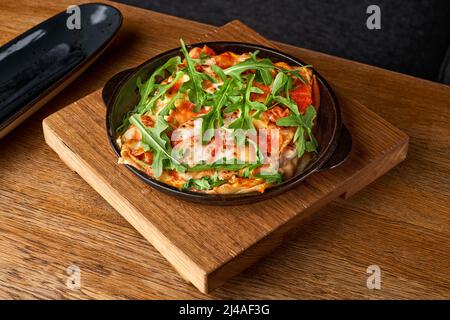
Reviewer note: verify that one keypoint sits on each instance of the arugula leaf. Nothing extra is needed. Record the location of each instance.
(235, 99)
(196, 93)
(213, 118)
(249, 64)
(161, 90)
(258, 106)
(199, 184)
(246, 173)
(218, 70)
(288, 103)
(210, 78)
(289, 121)
(304, 124)
(203, 56)
(309, 116)
(272, 178)
(245, 121)
(288, 87)
(279, 83)
(264, 76)
(145, 89)
(165, 111)
(294, 72)
(256, 90)
(224, 164)
(299, 139)
(157, 141)
(205, 183)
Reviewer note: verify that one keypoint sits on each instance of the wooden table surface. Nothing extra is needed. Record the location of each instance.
(51, 219)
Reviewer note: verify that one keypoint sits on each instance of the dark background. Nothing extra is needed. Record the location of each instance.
(414, 38)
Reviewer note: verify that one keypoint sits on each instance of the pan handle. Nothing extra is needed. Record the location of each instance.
(342, 151)
(112, 84)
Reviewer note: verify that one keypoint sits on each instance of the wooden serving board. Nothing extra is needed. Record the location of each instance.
(206, 244)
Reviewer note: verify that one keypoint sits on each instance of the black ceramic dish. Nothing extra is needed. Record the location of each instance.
(120, 96)
(43, 60)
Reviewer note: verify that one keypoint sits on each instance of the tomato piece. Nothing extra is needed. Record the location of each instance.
(283, 65)
(208, 51)
(276, 113)
(147, 121)
(206, 84)
(148, 157)
(302, 96)
(225, 60)
(174, 174)
(194, 53)
(174, 89)
(183, 113)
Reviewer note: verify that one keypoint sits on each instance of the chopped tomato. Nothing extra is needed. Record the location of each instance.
(260, 97)
(244, 182)
(174, 174)
(177, 85)
(148, 157)
(195, 52)
(199, 67)
(225, 60)
(276, 113)
(302, 96)
(183, 113)
(139, 153)
(207, 50)
(282, 65)
(142, 155)
(147, 121)
(206, 84)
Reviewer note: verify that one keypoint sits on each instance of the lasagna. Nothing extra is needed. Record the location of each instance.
(222, 123)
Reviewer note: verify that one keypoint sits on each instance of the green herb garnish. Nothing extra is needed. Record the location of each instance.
(158, 142)
(196, 93)
(303, 138)
(213, 119)
(204, 183)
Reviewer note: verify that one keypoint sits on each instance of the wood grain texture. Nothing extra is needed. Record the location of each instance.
(51, 218)
(208, 245)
